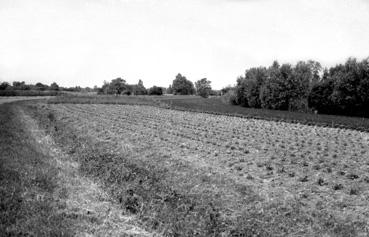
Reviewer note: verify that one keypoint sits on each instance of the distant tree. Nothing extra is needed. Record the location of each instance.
(316, 69)
(86, 89)
(4, 85)
(155, 90)
(274, 94)
(319, 98)
(139, 89)
(203, 87)
(240, 92)
(54, 86)
(255, 78)
(351, 87)
(117, 86)
(224, 90)
(128, 90)
(17, 85)
(305, 76)
(182, 86)
(41, 87)
(104, 89)
(215, 93)
(248, 87)
(169, 90)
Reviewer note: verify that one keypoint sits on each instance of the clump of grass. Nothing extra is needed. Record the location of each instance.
(321, 181)
(352, 176)
(338, 187)
(354, 190)
(269, 166)
(304, 179)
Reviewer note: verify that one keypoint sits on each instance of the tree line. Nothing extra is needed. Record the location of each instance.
(21, 85)
(341, 89)
(180, 86)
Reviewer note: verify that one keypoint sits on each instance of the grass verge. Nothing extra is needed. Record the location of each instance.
(27, 181)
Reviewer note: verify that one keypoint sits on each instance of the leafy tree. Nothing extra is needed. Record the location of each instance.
(275, 93)
(54, 86)
(128, 90)
(139, 89)
(315, 69)
(240, 92)
(248, 87)
(224, 90)
(351, 84)
(319, 98)
(117, 86)
(169, 90)
(215, 93)
(203, 87)
(105, 89)
(4, 85)
(155, 90)
(41, 87)
(17, 85)
(182, 86)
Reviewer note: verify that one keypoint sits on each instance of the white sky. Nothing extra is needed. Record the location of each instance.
(81, 42)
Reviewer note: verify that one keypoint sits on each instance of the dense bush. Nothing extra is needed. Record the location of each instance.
(155, 90)
(230, 97)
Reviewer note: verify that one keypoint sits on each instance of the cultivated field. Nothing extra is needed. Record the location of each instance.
(216, 106)
(196, 174)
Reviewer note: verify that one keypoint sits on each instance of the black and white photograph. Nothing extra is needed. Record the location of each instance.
(181, 118)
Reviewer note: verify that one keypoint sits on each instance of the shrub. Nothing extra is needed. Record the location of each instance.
(155, 90)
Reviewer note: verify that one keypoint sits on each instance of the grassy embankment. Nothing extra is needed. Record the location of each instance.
(216, 106)
(28, 206)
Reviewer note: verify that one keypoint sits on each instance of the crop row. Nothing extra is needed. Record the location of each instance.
(318, 165)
